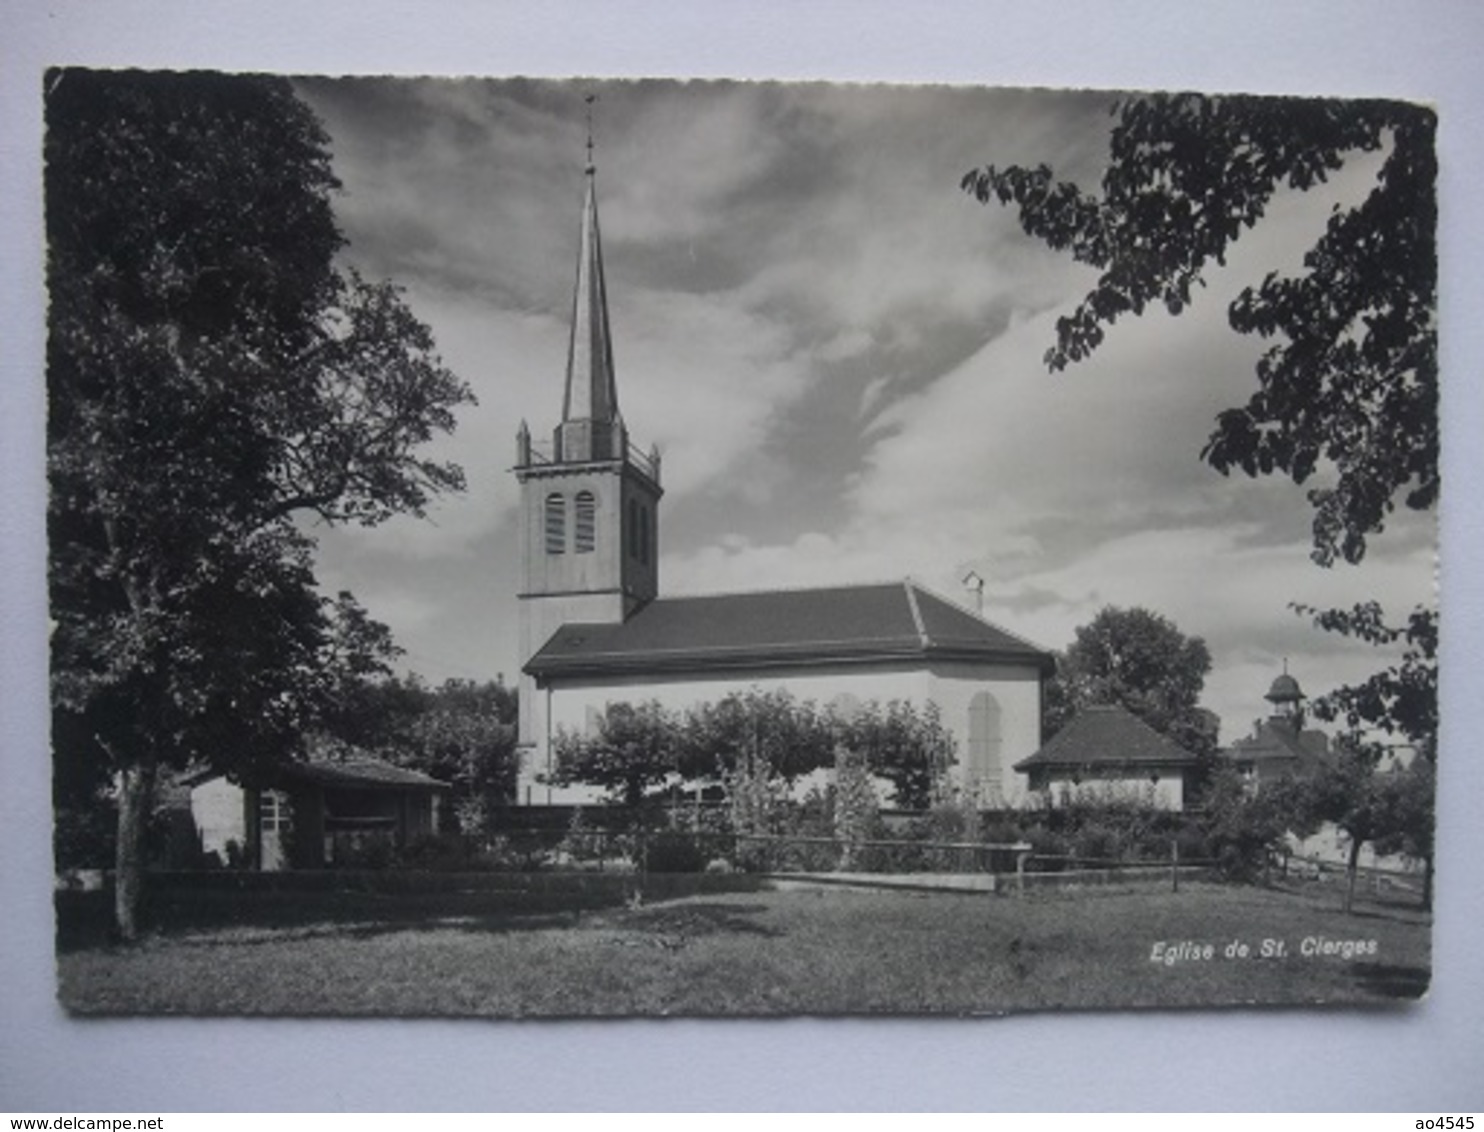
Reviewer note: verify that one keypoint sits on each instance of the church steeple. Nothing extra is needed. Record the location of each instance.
(591, 427)
(589, 523)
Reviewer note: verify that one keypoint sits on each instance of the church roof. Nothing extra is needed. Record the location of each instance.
(736, 632)
(1108, 735)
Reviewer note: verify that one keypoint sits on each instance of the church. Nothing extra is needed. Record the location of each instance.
(595, 630)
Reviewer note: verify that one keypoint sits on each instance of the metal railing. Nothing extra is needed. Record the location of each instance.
(543, 453)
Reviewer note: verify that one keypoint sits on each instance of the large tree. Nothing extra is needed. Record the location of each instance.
(1350, 384)
(213, 376)
(1394, 709)
(1141, 660)
(1347, 393)
(1389, 807)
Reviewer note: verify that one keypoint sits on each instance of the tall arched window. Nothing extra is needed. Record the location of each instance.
(633, 528)
(984, 744)
(586, 524)
(556, 524)
(644, 535)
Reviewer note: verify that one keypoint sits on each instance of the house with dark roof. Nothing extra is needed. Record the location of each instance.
(1106, 753)
(1280, 745)
(314, 814)
(594, 629)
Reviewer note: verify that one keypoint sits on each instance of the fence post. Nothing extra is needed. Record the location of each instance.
(1174, 865)
(1022, 854)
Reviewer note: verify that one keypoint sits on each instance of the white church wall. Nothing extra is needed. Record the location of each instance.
(985, 762)
(1015, 692)
(540, 618)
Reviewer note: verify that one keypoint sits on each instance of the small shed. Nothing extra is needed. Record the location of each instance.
(1108, 753)
(316, 814)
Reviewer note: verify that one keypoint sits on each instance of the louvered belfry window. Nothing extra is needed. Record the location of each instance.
(556, 524)
(587, 523)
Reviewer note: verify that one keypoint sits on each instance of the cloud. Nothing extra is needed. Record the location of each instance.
(840, 355)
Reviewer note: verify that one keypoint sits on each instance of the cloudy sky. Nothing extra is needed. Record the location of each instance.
(839, 354)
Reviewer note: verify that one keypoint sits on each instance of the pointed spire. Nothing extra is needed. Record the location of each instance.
(591, 392)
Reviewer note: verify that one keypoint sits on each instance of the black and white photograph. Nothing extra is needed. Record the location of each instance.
(929, 550)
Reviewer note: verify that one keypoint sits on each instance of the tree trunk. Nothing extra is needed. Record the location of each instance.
(1350, 871)
(136, 789)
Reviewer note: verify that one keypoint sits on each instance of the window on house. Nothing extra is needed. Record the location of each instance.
(273, 812)
(586, 523)
(556, 524)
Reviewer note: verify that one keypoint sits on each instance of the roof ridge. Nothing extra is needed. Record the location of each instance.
(922, 635)
(801, 588)
(983, 620)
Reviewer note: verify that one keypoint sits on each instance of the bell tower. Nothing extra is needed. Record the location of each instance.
(589, 524)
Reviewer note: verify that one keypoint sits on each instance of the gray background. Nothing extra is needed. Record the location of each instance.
(1427, 1057)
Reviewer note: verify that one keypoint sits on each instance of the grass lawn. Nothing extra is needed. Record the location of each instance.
(817, 951)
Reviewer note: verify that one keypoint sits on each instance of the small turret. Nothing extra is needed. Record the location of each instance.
(1287, 699)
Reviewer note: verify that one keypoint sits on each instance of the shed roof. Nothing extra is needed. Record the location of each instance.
(359, 773)
(1108, 735)
(840, 624)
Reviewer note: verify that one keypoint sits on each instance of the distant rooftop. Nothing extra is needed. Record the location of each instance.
(1108, 735)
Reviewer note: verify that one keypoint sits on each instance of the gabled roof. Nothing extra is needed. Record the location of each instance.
(839, 624)
(1274, 741)
(1108, 735)
(361, 773)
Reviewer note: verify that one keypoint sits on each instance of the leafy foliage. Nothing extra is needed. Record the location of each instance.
(757, 742)
(211, 376)
(771, 728)
(462, 732)
(1352, 379)
(1391, 809)
(1397, 811)
(905, 745)
(1245, 828)
(1140, 660)
(853, 804)
(1349, 388)
(635, 749)
(1399, 700)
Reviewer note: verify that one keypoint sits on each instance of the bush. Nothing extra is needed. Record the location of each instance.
(1097, 843)
(1046, 843)
(1192, 845)
(439, 852)
(673, 852)
(84, 838)
(374, 852)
